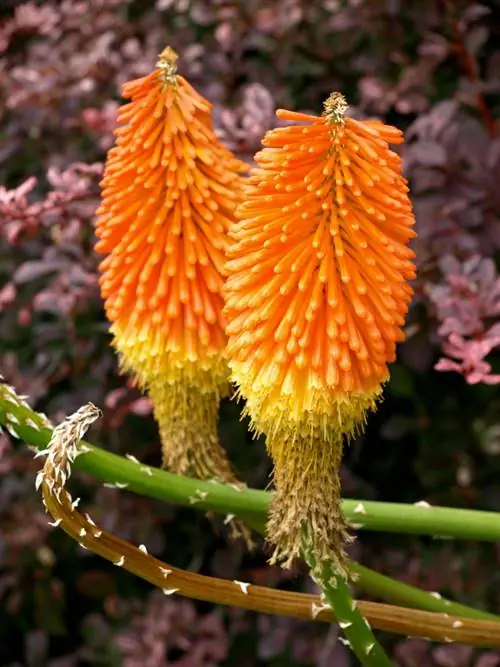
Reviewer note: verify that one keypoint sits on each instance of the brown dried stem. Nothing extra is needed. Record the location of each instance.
(61, 451)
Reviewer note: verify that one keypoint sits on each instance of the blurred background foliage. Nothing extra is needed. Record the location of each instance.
(433, 69)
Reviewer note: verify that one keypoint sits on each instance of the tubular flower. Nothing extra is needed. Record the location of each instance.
(316, 297)
(169, 193)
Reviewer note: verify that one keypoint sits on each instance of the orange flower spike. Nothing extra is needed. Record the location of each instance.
(169, 193)
(316, 297)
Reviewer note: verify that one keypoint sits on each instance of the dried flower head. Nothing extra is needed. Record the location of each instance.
(169, 192)
(315, 302)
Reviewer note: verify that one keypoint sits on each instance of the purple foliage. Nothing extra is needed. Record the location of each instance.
(169, 633)
(432, 71)
(466, 302)
(418, 653)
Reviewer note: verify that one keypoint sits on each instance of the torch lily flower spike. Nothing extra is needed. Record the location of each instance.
(316, 297)
(170, 189)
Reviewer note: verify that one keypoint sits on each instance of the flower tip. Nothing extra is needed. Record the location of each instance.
(167, 63)
(335, 107)
(168, 55)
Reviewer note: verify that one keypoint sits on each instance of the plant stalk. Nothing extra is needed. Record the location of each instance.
(357, 630)
(250, 504)
(24, 423)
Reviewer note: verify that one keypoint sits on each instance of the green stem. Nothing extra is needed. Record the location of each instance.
(354, 626)
(444, 522)
(405, 595)
(252, 505)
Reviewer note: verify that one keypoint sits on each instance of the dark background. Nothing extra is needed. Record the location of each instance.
(431, 68)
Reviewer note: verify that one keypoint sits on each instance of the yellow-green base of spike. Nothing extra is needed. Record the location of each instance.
(185, 396)
(306, 448)
(308, 408)
(187, 419)
(305, 511)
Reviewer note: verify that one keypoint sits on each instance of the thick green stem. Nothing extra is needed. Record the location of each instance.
(397, 592)
(357, 630)
(418, 519)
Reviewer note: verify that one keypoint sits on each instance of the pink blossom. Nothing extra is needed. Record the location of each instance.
(31, 17)
(72, 187)
(466, 301)
(470, 355)
(468, 295)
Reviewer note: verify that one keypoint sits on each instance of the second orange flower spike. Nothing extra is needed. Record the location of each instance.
(315, 302)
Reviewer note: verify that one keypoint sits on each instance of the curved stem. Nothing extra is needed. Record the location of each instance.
(469, 66)
(24, 423)
(437, 627)
(56, 471)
